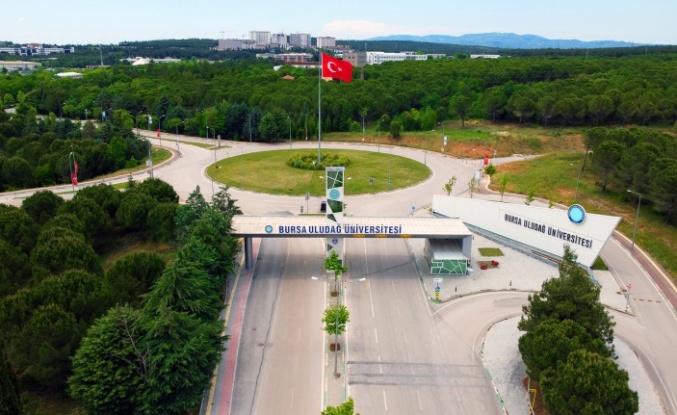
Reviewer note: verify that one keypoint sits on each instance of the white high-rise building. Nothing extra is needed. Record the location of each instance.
(261, 38)
(326, 42)
(279, 40)
(299, 39)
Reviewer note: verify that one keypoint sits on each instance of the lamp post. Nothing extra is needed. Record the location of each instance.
(85, 114)
(177, 137)
(159, 128)
(390, 160)
(639, 203)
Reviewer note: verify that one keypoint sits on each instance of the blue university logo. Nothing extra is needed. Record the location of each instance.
(576, 214)
(269, 229)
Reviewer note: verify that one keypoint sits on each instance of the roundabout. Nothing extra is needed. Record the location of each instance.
(269, 172)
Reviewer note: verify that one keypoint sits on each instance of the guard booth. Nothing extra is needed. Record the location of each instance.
(448, 256)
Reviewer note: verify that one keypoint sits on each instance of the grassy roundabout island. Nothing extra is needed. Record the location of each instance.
(268, 172)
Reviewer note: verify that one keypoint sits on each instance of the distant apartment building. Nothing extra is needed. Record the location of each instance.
(358, 59)
(299, 39)
(18, 66)
(262, 38)
(377, 58)
(235, 44)
(484, 56)
(35, 50)
(326, 42)
(293, 58)
(279, 40)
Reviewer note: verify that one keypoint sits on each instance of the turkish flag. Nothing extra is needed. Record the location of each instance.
(486, 159)
(75, 164)
(74, 179)
(157, 132)
(336, 68)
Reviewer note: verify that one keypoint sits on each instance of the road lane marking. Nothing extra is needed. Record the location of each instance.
(420, 403)
(405, 337)
(380, 367)
(371, 300)
(376, 335)
(385, 401)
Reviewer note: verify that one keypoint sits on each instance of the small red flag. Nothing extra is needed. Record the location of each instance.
(486, 159)
(336, 68)
(75, 164)
(157, 132)
(74, 179)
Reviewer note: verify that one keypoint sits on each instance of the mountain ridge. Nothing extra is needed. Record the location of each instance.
(509, 41)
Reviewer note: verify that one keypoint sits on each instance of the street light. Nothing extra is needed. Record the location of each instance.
(639, 203)
(389, 164)
(159, 128)
(579, 175)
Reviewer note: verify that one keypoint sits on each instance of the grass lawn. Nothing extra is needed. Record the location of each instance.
(553, 177)
(267, 172)
(490, 251)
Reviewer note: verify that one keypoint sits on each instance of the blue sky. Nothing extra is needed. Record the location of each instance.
(113, 21)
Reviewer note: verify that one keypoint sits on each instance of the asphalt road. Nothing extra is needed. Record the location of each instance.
(402, 359)
(279, 368)
(652, 332)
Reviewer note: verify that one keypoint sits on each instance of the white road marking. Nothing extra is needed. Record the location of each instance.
(385, 401)
(380, 368)
(376, 335)
(371, 300)
(420, 404)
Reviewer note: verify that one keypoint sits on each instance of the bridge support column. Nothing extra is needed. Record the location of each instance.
(248, 260)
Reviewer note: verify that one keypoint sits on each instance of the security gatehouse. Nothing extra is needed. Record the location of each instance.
(448, 244)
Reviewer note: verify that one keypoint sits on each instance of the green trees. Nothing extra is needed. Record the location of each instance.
(134, 275)
(346, 408)
(449, 185)
(42, 205)
(568, 346)
(587, 383)
(159, 358)
(10, 399)
(572, 296)
(605, 157)
(335, 319)
(108, 370)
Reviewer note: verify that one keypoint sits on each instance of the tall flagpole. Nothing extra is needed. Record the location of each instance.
(319, 113)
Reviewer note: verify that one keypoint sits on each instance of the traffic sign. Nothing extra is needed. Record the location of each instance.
(437, 289)
(438, 280)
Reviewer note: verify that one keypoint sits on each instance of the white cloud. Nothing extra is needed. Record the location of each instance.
(21, 20)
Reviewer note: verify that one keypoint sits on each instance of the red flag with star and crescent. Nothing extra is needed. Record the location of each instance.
(336, 68)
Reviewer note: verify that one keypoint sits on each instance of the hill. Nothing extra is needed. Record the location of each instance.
(510, 41)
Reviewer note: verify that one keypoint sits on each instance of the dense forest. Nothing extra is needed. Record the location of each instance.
(141, 336)
(250, 100)
(36, 152)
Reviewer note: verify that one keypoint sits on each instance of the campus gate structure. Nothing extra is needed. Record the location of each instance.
(448, 245)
